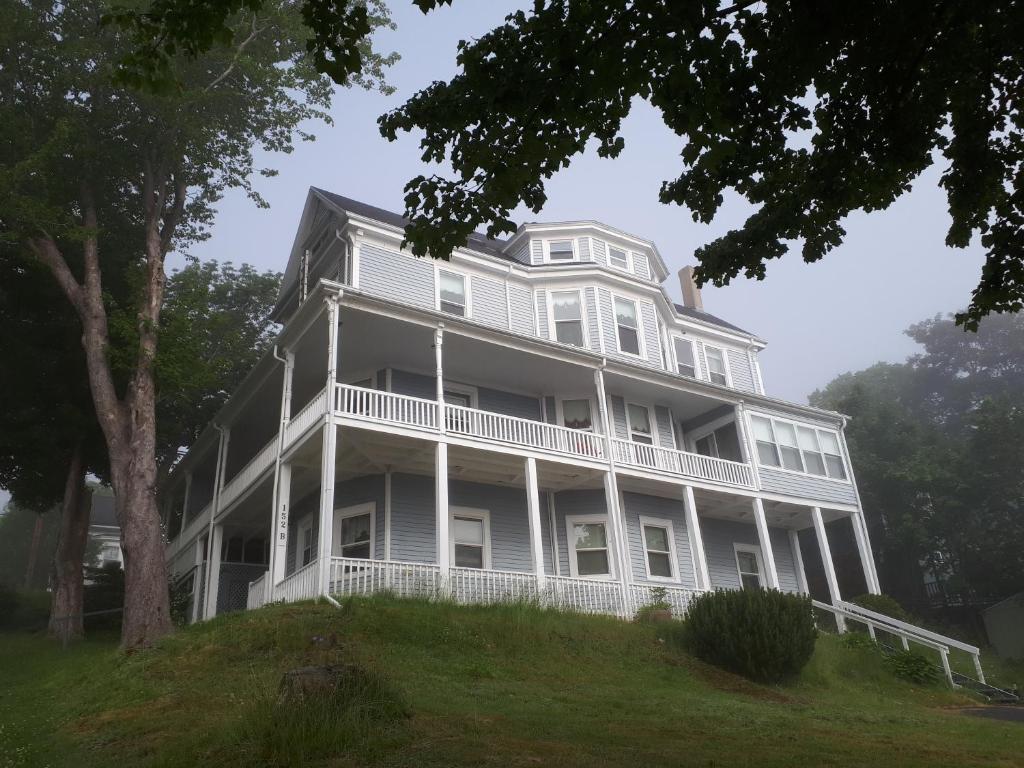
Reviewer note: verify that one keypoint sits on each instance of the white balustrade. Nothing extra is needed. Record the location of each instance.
(498, 427)
(678, 598)
(304, 584)
(585, 596)
(375, 405)
(257, 592)
(693, 465)
(248, 474)
(310, 414)
(353, 576)
(475, 585)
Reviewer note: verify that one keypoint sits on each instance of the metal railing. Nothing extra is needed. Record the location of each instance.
(641, 455)
(498, 427)
(375, 405)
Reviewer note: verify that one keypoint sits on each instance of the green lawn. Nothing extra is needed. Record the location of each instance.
(502, 686)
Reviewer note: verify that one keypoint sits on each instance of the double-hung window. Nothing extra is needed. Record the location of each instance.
(628, 326)
(470, 537)
(567, 312)
(639, 418)
(658, 548)
(354, 532)
(560, 250)
(576, 414)
(798, 448)
(707, 445)
(452, 293)
(748, 565)
(618, 258)
(685, 361)
(305, 539)
(716, 365)
(590, 553)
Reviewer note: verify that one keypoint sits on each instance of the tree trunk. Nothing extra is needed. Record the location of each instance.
(33, 552)
(68, 588)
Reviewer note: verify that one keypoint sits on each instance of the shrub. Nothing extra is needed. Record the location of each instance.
(913, 666)
(765, 635)
(23, 611)
(882, 604)
(858, 640)
(659, 602)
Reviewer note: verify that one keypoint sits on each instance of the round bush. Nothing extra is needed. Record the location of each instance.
(764, 635)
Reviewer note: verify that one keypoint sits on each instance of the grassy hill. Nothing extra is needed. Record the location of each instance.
(450, 685)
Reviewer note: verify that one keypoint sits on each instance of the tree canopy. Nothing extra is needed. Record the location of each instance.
(938, 444)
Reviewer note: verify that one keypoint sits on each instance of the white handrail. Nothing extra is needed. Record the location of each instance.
(242, 479)
(303, 584)
(311, 412)
(376, 405)
(257, 592)
(909, 628)
(685, 463)
(500, 427)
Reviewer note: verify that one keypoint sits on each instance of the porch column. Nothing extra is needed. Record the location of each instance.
(281, 493)
(533, 508)
(798, 562)
(700, 559)
(197, 582)
(441, 506)
(185, 502)
(826, 559)
(439, 374)
(746, 448)
(213, 572)
(279, 538)
(764, 539)
(857, 521)
(330, 443)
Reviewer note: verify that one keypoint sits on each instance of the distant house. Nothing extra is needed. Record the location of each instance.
(1004, 623)
(104, 530)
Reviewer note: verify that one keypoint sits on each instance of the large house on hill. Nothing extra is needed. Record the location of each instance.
(534, 418)
(534, 414)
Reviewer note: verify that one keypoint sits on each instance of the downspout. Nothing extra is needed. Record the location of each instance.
(346, 242)
(285, 419)
(218, 476)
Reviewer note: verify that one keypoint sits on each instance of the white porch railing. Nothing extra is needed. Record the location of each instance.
(375, 405)
(586, 596)
(684, 463)
(498, 427)
(474, 585)
(257, 592)
(247, 475)
(352, 576)
(304, 584)
(678, 598)
(307, 417)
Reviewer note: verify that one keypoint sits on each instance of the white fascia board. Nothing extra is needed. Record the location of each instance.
(594, 227)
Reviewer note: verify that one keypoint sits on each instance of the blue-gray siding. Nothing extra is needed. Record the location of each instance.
(592, 323)
(663, 417)
(541, 302)
(536, 252)
(396, 276)
(524, 318)
(621, 428)
(739, 368)
(488, 299)
(494, 400)
(413, 384)
(637, 505)
(600, 251)
(648, 329)
(719, 537)
(806, 486)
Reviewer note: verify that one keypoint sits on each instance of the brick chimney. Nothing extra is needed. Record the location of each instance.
(691, 293)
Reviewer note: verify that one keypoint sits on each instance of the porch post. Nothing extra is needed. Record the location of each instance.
(700, 559)
(536, 534)
(330, 443)
(766, 543)
(198, 583)
(281, 492)
(865, 555)
(213, 572)
(441, 506)
(798, 562)
(185, 502)
(439, 374)
(826, 559)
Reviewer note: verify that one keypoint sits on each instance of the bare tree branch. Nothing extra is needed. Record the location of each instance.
(238, 53)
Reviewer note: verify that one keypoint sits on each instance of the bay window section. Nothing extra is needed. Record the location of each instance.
(767, 452)
(789, 449)
(716, 365)
(833, 455)
(560, 250)
(452, 293)
(685, 361)
(811, 452)
(798, 448)
(618, 258)
(627, 325)
(567, 311)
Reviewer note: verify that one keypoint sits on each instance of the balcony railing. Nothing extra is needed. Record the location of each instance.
(497, 427)
(683, 463)
(314, 410)
(247, 475)
(387, 407)
(354, 576)
(257, 592)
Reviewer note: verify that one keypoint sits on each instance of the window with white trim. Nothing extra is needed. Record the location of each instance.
(354, 531)
(639, 418)
(452, 293)
(798, 448)
(716, 365)
(576, 414)
(561, 250)
(707, 445)
(305, 539)
(589, 548)
(659, 548)
(748, 566)
(628, 326)
(567, 313)
(686, 361)
(470, 538)
(618, 258)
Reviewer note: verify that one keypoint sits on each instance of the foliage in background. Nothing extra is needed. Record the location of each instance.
(883, 604)
(808, 111)
(16, 527)
(762, 634)
(937, 444)
(913, 667)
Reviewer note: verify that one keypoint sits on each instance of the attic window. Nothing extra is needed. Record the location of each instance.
(618, 258)
(560, 250)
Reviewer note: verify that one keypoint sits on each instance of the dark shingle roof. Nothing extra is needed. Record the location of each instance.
(697, 314)
(477, 241)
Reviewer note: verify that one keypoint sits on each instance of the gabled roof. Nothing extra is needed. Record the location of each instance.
(697, 314)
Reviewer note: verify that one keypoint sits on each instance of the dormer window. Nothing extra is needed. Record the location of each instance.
(716, 365)
(618, 258)
(452, 293)
(561, 250)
